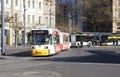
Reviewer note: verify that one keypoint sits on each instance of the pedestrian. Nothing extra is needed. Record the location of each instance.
(114, 42)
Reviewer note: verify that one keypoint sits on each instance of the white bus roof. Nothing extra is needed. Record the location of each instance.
(50, 29)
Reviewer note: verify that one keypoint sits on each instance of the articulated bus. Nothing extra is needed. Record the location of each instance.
(65, 41)
(47, 41)
(79, 40)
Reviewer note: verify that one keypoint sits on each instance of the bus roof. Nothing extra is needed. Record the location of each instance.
(92, 33)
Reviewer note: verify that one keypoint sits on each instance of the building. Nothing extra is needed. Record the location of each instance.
(68, 15)
(61, 14)
(28, 14)
(116, 16)
(65, 15)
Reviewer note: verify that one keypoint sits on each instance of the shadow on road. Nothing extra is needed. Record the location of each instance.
(96, 57)
(20, 54)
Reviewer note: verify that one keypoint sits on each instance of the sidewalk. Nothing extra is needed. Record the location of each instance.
(18, 47)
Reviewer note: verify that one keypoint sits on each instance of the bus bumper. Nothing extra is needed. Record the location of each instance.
(40, 52)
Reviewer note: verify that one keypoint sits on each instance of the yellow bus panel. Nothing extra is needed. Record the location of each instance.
(114, 37)
(40, 52)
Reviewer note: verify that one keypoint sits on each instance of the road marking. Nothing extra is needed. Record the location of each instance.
(101, 64)
(26, 73)
(40, 72)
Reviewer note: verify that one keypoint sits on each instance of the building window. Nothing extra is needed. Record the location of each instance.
(6, 1)
(40, 5)
(28, 18)
(57, 1)
(65, 15)
(33, 19)
(28, 4)
(60, 1)
(50, 8)
(46, 6)
(39, 20)
(46, 18)
(65, 8)
(118, 2)
(16, 2)
(65, 0)
(118, 14)
(118, 25)
(23, 2)
(33, 4)
(16, 18)
(65, 11)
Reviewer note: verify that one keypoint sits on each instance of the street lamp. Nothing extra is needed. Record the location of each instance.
(3, 29)
(24, 24)
(50, 14)
(73, 14)
(69, 23)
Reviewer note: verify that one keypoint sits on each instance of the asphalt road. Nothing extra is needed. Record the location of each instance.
(77, 62)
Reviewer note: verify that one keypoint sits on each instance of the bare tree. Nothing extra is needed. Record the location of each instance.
(97, 13)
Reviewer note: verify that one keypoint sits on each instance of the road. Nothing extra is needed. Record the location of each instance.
(77, 62)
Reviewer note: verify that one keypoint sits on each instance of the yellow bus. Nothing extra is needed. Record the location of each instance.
(112, 40)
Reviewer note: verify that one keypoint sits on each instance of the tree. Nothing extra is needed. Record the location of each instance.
(7, 18)
(62, 13)
(96, 13)
(16, 26)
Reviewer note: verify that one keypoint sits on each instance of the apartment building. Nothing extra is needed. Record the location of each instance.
(26, 13)
(53, 13)
(65, 15)
(116, 16)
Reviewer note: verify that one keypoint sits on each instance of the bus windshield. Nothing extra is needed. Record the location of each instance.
(40, 37)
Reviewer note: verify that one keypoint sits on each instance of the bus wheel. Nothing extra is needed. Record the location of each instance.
(78, 46)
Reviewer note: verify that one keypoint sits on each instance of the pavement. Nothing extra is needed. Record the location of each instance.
(18, 47)
(15, 66)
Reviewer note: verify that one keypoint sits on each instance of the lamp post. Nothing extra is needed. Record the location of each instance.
(50, 14)
(69, 23)
(73, 14)
(24, 24)
(3, 29)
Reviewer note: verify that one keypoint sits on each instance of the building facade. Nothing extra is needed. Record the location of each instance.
(69, 15)
(76, 25)
(116, 16)
(29, 12)
(61, 14)
(63, 8)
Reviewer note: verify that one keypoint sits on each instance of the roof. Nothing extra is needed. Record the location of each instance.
(95, 33)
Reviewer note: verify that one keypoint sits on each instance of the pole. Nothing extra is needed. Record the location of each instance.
(69, 23)
(24, 25)
(73, 7)
(3, 29)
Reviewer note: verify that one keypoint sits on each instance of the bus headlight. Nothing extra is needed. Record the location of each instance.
(33, 47)
(46, 47)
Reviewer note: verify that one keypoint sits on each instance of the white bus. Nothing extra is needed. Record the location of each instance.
(65, 40)
(46, 41)
(80, 40)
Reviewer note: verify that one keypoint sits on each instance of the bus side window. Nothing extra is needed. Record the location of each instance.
(50, 41)
(56, 39)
